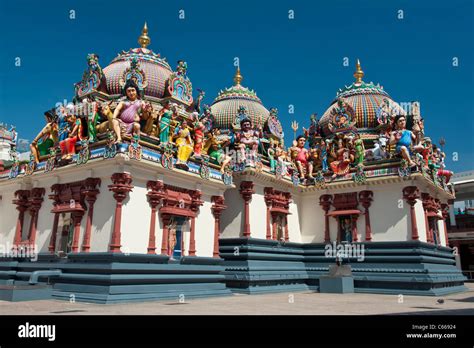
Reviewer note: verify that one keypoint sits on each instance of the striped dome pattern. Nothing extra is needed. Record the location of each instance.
(225, 107)
(365, 102)
(157, 71)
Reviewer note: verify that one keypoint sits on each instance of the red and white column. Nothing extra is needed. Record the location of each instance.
(196, 202)
(165, 219)
(121, 186)
(325, 202)
(35, 202)
(268, 201)
(445, 212)
(22, 203)
(247, 190)
(411, 194)
(366, 198)
(91, 191)
(155, 194)
(217, 207)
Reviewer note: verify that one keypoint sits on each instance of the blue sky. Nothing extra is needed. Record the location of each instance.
(298, 61)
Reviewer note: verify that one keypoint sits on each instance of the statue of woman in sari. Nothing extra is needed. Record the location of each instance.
(343, 159)
(126, 115)
(184, 143)
(165, 116)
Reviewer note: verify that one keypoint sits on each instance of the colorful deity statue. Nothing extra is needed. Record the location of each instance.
(196, 107)
(343, 158)
(172, 240)
(184, 144)
(247, 139)
(182, 68)
(359, 150)
(107, 116)
(323, 155)
(404, 139)
(92, 79)
(75, 133)
(199, 130)
(165, 116)
(215, 149)
(383, 113)
(301, 156)
(436, 163)
(346, 227)
(342, 118)
(127, 112)
(272, 156)
(313, 131)
(149, 117)
(46, 138)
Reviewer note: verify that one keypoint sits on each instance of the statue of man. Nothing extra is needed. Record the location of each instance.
(247, 138)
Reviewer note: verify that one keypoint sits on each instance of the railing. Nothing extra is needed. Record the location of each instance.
(469, 275)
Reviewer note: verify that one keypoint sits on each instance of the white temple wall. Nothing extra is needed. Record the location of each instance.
(103, 219)
(442, 231)
(258, 213)
(135, 219)
(311, 218)
(45, 218)
(232, 218)
(204, 229)
(420, 221)
(294, 220)
(8, 216)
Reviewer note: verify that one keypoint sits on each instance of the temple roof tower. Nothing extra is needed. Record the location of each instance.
(155, 68)
(225, 107)
(366, 99)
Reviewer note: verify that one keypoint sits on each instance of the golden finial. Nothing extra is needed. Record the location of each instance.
(144, 40)
(238, 77)
(359, 74)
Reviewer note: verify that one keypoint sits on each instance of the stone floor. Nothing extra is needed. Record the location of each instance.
(305, 303)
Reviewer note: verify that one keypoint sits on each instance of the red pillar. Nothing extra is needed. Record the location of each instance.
(274, 226)
(287, 235)
(121, 186)
(217, 208)
(445, 212)
(90, 194)
(268, 201)
(154, 197)
(426, 199)
(77, 218)
(366, 198)
(325, 202)
(165, 218)
(35, 202)
(354, 218)
(411, 194)
(192, 237)
(54, 233)
(21, 202)
(247, 190)
(196, 202)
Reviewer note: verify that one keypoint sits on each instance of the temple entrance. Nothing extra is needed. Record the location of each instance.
(345, 228)
(67, 233)
(279, 227)
(433, 225)
(176, 236)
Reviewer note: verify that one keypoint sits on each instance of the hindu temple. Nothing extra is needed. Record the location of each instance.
(138, 190)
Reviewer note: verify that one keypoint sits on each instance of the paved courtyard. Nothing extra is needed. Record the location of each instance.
(300, 303)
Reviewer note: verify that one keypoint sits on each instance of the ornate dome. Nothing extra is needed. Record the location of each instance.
(225, 107)
(366, 99)
(156, 69)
